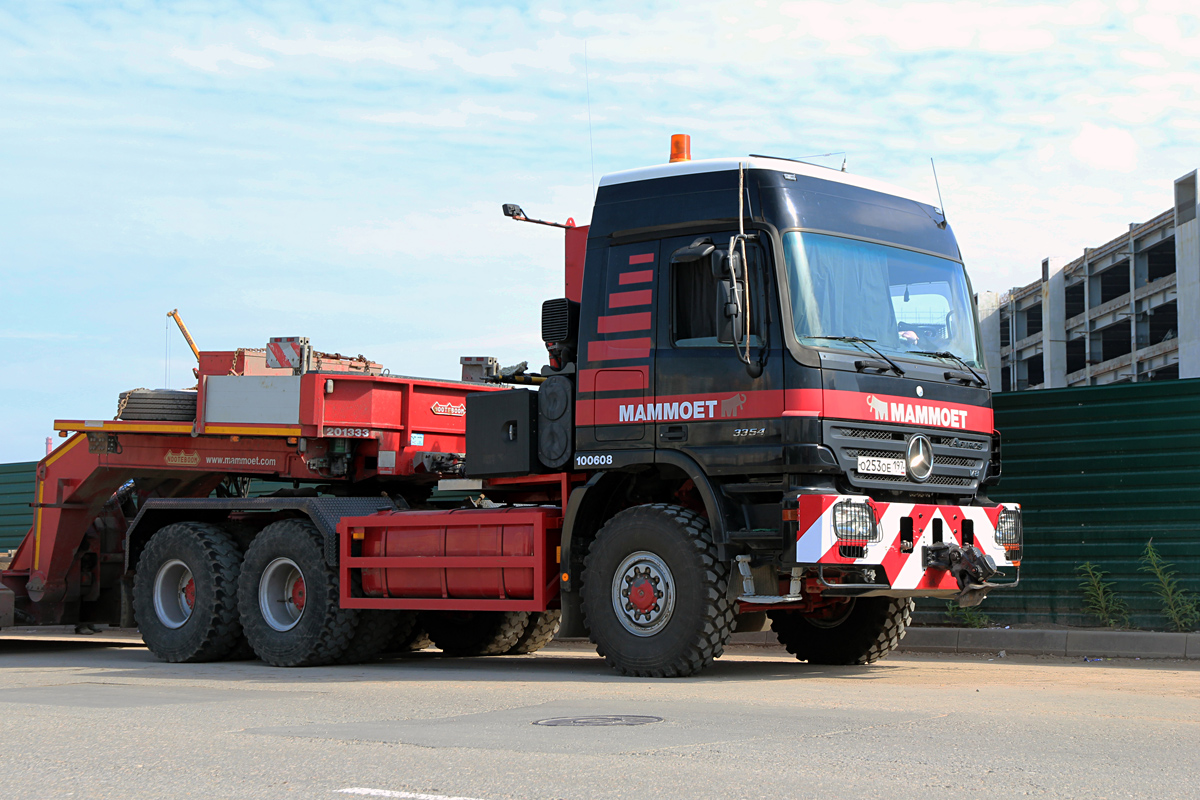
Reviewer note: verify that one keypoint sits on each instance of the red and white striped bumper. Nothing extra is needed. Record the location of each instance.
(817, 541)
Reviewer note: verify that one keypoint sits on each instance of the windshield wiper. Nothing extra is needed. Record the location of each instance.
(862, 341)
(952, 357)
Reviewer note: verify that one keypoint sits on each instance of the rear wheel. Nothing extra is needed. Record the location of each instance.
(185, 593)
(538, 633)
(474, 633)
(411, 640)
(654, 593)
(862, 632)
(375, 631)
(289, 600)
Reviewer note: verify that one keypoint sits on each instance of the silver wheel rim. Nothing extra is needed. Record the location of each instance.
(281, 594)
(643, 593)
(174, 594)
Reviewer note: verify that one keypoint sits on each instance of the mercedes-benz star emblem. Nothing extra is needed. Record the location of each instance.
(920, 458)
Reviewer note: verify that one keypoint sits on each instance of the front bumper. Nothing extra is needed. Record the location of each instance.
(895, 555)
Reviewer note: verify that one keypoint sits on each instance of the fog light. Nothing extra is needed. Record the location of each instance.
(855, 525)
(1009, 533)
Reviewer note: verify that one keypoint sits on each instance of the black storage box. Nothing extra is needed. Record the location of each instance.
(502, 434)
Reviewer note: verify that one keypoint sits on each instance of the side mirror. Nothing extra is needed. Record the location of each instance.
(729, 312)
(726, 264)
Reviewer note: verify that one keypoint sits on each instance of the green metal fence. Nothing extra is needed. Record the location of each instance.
(1099, 472)
(16, 493)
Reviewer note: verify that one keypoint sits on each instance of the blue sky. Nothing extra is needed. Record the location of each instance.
(335, 170)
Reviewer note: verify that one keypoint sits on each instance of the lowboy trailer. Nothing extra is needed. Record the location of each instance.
(765, 400)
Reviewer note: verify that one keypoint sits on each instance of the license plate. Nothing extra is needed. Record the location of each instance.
(881, 466)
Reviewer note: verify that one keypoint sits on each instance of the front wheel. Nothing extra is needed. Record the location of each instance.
(655, 595)
(863, 631)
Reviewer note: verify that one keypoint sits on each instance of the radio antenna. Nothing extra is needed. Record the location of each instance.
(941, 206)
(587, 82)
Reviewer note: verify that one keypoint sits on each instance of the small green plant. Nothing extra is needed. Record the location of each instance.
(1181, 607)
(967, 617)
(1099, 599)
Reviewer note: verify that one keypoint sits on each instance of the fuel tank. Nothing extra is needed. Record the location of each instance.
(484, 539)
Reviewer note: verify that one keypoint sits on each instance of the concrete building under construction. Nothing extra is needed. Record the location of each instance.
(1126, 311)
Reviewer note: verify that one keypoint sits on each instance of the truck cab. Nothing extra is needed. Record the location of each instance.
(791, 353)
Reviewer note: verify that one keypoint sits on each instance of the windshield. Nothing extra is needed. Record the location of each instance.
(901, 300)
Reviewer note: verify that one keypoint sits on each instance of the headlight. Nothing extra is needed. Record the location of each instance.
(855, 525)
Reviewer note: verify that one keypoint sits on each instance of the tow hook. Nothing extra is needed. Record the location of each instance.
(970, 567)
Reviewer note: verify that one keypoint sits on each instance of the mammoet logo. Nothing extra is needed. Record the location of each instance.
(916, 413)
(449, 409)
(730, 406)
(182, 459)
(879, 407)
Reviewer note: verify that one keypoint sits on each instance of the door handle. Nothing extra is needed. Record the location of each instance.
(674, 433)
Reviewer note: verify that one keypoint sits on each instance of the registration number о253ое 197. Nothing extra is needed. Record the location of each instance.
(880, 466)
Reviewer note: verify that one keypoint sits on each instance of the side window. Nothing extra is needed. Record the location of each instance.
(694, 304)
(695, 301)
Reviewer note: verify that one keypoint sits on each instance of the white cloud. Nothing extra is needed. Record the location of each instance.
(1110, 149)
(916, 27)
(554, 53)
(1146, 58)
(385, 49)
(212, 57)
(459, 117)
(437, 119)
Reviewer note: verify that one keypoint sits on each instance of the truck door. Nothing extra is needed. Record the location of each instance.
(705, 402)
(617, 362)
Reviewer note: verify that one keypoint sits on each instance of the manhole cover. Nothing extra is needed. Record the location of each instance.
(597, 721)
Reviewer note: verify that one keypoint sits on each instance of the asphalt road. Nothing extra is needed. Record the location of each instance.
(93, 719)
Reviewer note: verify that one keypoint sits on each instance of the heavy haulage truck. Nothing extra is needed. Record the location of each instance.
(765, 399)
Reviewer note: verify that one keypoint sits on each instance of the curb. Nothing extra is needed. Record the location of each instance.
(1076, 642)
(1066, 642)
(1071, 642)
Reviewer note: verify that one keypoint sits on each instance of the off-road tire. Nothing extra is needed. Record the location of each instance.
(411, 640)
(157, 404)
(474, 633)
(213, 629)
(702, 619)
(324, 630)
(376, 629)
(242, 651)
(538, 633)
(873, 628)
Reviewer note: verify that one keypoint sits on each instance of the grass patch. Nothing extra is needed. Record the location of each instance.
(1099, 599)
(967, 617)
(1179, 606)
